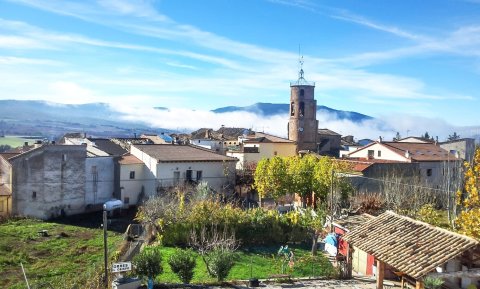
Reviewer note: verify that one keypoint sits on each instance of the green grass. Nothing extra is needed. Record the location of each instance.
(53, 259)
(265, 263)
(14, 141)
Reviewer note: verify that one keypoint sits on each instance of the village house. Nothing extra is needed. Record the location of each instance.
(413, 250)
(430, 162)
(329, 142)
(171, 165)
(133, 173)
(261, 145)
(219, 141)
(45, 182)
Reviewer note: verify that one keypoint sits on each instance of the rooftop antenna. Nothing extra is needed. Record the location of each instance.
(300, 63)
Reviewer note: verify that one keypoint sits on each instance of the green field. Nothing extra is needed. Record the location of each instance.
(68, 255)
(259, 262)
(15, 141)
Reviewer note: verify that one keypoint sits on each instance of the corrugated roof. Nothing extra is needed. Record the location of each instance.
(129, 160)
(411, 246)
(182, 153)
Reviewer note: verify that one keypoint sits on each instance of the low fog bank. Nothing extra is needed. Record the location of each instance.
(186, 120)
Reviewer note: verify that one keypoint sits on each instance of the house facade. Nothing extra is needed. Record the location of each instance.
(260, 146)
(133, 177)
(171, 165)
(49, 181)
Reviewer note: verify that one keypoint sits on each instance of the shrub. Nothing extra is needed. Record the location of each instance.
(149, 262)
(432, 283)
(220, 263)
(183, 263)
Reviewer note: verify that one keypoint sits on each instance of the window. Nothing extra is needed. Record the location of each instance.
(34, 195)
(429, 172)
(275, 153)
(1, 206)
(198, 141)
(189, 175)
(64, 158)
(292, 109)
(371, 154)
(199, 175)
(379, 153)
(302, 109)
(132, 175)
(176, 177)
(126, 200)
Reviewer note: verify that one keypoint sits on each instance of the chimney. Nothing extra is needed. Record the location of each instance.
(349, 138)
(134, 135)
(407, 154)
(25, 144)
(380, 139)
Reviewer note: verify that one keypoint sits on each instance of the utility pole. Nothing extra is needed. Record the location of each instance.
(105, 248)
(331, 201)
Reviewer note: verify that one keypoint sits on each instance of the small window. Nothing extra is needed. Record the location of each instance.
(132, 175)
(34, 195)
(64, 158)
(275, 153)
(429, 172)
(176, 177)
(199, 175)
(302, 109)
(126, 200)
(379, 153)
(189, 175)
(198, 141)
(292, 109)
(371, 154)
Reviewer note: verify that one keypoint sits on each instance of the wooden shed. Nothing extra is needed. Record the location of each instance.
(414, 250)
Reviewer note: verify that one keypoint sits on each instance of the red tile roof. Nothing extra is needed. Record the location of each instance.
(182, 153)
(7, 156)
(129, 160)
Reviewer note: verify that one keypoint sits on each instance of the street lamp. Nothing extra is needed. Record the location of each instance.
(105, 248)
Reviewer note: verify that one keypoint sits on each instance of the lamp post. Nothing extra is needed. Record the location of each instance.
(105, 248)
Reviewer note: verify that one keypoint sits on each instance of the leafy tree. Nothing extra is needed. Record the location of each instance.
(432, 283)
(301, 171)
(469, 219)
(271, 178)
(149, 263)
(4, 148)
(453, 136)
(426, 135)
(183, 263)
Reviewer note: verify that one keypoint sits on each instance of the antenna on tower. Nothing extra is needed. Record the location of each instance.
(300, 63)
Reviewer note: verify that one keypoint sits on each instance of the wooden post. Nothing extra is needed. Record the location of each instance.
(349, 261)
(380, 274)
(402, 283)
(419, 285)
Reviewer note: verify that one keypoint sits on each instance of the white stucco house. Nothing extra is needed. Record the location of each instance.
(259, 146)
(171, 165)
(133, 176)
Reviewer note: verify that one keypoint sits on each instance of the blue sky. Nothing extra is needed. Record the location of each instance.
(408, 58)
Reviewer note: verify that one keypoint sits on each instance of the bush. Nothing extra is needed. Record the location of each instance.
(183, 263)
(432, 283)
(149, 262)
(220, 263)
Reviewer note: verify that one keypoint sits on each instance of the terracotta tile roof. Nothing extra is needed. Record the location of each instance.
(411, 246)
(182, 153)
(6, 156)
(351, 222)
(421, 151)
(326, 131)
(261, 137)
(129, 160)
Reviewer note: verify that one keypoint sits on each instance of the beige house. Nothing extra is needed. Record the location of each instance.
(167, 166)
(6, 183)
(133, 174)
(259, 146)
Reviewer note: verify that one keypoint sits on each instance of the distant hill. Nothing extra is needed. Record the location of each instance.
(269, 109)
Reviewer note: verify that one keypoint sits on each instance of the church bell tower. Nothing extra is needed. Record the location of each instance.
(303, 124)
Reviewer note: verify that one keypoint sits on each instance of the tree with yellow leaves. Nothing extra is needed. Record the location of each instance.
(468, 221)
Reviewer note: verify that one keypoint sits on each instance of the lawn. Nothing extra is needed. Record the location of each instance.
(68, 255)
(264, 263)
(14, 141)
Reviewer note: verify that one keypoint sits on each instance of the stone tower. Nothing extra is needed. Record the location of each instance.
(303, 124)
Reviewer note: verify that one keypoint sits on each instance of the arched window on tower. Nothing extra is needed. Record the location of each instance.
(292, 109)
(302, 109)
(302, 92)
